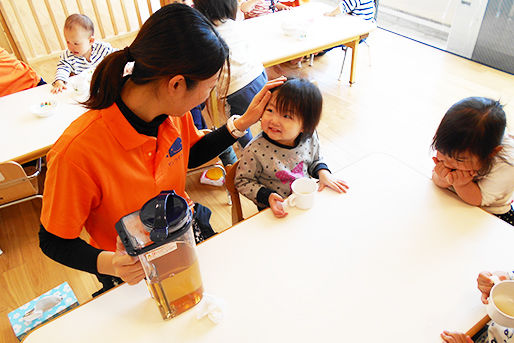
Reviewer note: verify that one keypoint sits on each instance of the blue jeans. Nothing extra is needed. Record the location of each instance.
(239, 102)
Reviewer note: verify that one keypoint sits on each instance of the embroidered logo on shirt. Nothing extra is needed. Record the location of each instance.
(286, 176)
(175, 147)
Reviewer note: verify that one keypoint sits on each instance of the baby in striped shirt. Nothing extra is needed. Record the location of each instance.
(83, 51)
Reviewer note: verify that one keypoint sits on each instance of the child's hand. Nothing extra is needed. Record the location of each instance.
(276, 205)
(258, 105)
(282, 7)
(328, 180)
(458, 178)
(58, 86)
(455, 337)
(440, 169)
(485, 283)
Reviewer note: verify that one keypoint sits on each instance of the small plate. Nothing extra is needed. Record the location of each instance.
(44, 109)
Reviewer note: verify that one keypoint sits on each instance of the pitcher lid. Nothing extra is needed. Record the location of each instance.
(165, 216)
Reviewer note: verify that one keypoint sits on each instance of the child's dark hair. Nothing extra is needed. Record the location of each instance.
(217, 10)
(80, 20)
(175, 40)
(302, 99)
(475, 125)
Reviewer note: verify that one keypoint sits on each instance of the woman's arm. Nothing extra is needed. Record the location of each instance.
(73, 253)
(76, 253)
(210, 146)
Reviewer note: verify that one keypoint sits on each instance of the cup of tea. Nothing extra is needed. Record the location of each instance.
(501, 303)
(304, 189)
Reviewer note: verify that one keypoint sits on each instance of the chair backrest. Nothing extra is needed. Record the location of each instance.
(237, 211)
(14, 183)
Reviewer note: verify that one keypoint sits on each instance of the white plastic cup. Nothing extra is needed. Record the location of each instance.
(304, 191)
(501, 303)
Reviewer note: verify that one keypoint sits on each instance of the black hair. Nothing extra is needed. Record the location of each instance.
(217, 10)
(175, 40)
(301, 98)
(80, 20)
(475, 125)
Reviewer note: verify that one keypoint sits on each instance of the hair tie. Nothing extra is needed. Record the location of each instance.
(128, 54)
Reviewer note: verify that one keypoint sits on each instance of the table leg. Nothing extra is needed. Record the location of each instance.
(353, 45)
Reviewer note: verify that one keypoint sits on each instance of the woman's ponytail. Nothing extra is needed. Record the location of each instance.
(175, 40)
(107, 80)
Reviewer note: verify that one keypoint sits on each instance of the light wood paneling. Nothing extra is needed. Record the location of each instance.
(37, 26)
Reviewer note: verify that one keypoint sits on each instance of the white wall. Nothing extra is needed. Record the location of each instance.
(440, 11)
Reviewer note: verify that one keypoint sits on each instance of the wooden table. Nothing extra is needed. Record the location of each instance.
(322, 32)
(394, 260)
(24, 136)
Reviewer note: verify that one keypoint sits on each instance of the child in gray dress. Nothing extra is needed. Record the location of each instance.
(287, 149)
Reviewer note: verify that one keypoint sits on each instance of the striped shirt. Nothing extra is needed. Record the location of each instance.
(364, 8)
(70, 63)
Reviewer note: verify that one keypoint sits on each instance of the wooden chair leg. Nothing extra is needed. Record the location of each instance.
(345, 49)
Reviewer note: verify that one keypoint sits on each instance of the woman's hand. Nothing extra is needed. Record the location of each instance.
(258, 105)
(485, 283)
(127, 267)
(328, 180)
(276, 205)
(455, 337)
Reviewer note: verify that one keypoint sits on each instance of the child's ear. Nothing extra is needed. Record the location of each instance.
(91, 39)
(496, 150)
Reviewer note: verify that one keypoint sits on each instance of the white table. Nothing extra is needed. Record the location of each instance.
(394, 260)
(24, 136)
(274, 46)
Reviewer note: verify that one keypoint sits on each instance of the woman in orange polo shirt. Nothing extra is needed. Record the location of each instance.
(137, 139)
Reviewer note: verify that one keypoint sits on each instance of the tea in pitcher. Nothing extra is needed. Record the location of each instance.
(161, 235)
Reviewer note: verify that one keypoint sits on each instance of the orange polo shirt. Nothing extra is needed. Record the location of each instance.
(15, 75)
(101, 169)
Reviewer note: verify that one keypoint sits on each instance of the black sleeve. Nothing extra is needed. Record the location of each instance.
(263, 195)
(74, 253)
(315, 172)
(210, 146)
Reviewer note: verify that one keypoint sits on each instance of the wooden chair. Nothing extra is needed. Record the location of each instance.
(237, 211)
(16, 186)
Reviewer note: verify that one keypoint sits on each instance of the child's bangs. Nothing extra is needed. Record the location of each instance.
(286, 102)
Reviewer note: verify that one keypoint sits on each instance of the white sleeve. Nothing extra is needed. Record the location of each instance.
(498, 184)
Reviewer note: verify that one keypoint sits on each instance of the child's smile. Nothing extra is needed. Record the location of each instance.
(283, 128)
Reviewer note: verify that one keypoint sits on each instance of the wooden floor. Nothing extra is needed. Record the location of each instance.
(395, 107)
